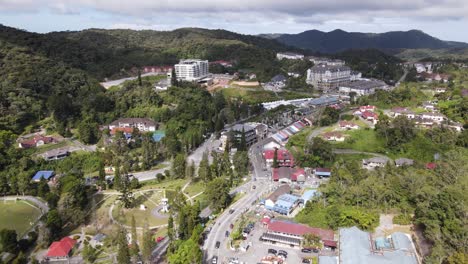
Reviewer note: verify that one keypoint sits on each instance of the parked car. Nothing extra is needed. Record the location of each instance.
(217, 244)
(231, 226)
(227, 234)
(282, 252)
(306, 250)
(305, 260)
(272, 251)
(214, 260)
(231, 211)
(159, 239)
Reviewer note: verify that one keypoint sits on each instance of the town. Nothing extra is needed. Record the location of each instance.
(208, 146)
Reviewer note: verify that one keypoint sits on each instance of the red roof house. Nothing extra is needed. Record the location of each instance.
(284, 158)
(36, 141)
(61, 249)
(367, 108)
(370, 116)
(293, 229)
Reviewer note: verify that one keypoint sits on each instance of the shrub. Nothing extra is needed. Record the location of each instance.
(402, 219)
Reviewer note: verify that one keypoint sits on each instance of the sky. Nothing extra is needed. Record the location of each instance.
(444, 19)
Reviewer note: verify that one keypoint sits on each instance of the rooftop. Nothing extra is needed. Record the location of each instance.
(365, 85)
(299, 229)
(43, 174)
(281, 190)
(322, 68)
(61, 248)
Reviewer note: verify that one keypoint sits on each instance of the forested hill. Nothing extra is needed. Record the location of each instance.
(339, 40)
(58, 73)
(103, 53)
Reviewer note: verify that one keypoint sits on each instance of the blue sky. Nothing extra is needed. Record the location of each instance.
(445, 19)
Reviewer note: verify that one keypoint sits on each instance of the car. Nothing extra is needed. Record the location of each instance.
(214, 260)
(282, 255)
(231, 211)
(217, 244)
(231, 226)
(227, 234)
(315, 250)
(254, 187)
(159, 239)
(306, 250)
(305, 260)
(272, 251)
(282, 252)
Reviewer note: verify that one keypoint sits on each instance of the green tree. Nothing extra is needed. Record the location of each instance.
(135, 250)
(90, 254)
(275, 159)
(178, 166)
(170, 228)
(123, 255)
(148, 243)
(188, 252)
(204, 171)
(8, 241)
(54, 223)
(88, 131)
(217, 192)
(43, 188)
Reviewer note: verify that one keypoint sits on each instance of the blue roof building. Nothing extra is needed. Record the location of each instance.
(43, 174)
(285, 204)
(308, 195)
(158, 135)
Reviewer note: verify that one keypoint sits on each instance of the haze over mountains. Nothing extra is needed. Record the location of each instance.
(339, 40)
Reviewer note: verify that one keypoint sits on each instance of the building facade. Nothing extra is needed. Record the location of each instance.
(191, 70)
(289, 56)
(327, 77)
(143, 124)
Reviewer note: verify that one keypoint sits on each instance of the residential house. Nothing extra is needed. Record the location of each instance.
(308, 195)
(322, 172)
(36, 141)
(55, 154)
(370, 108)
(127, 131)
(333, 136)
(60, 250)
(374, 162)
(402, 111)
(404, 162)
(47, 175)
(273, 197)
(286, 203)
(436, 117)
(157, 69)
(437, 77)
(440, 90)
(142, 124)
(271, 144)
(370, 116)
(227, 64)
(347, 125)
(292, 234)
(278, 82)
(357, 246)
(429, 106)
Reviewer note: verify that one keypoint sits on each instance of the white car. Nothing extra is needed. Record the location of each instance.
(214, 260)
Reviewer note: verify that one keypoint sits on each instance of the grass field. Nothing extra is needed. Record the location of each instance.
(195, 188)
(17, 216)
(362, 140)
(151, 201)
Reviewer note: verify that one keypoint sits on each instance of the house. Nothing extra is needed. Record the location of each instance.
(429, 106)
(292, 234)
(357, 246)
(56, 154)
(277, 82)
(438, 77)
(273, 197)
(60, 250)
(271, 144)
(286, 203)
(322, 172)
(436, 117)
(364, 108)
(289, 56)
(403, 162)
(47, 175)
(36, 141)
(157, 69)
(227, 64)
(375, 162)
(142, 124)
(283, 157)
(370, 116)
(288, 175)
(127, 131)
(440, 90)
(347, 125)
(333, 136)
(402, 111)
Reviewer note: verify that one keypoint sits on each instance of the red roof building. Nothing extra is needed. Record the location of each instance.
(299, 230)
(125, 130)
(431, 166)
(367, 108)
(36, 141)
(284, 158)
(370, 116)
(287, 174)
(61, 249)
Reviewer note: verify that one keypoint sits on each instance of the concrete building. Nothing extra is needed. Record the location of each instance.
(252, 131)
(191, 70)
(402, 111)
(326, 77)
(347, 125)
(359, 247)
(375, 162)
(283, 157)
(404, 162)
(362, 87)
(143, 124)
(289, 56)
(436, 117)
(273, 197)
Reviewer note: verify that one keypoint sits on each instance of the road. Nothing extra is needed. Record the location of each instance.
(159, 251)
(150, 174)
(352, 151)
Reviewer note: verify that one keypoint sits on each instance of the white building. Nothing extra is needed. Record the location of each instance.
(373, 163)
(437, 117)
(289, 56)
(191, 70)
(326, 77)
(143, 124)
(363, 87)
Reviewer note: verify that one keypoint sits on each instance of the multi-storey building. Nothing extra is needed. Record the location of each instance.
(191, 70)
(327, 77)
(289, 55)
(143, 124)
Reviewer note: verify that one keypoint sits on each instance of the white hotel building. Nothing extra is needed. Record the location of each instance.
(191, 70)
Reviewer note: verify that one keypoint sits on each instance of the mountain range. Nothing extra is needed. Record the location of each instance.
(339, 40)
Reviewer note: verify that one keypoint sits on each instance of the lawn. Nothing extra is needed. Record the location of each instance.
(195, 188)
(151, 201)
(251, 97)
(167, 184)
(362, 140)
(17, 216)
